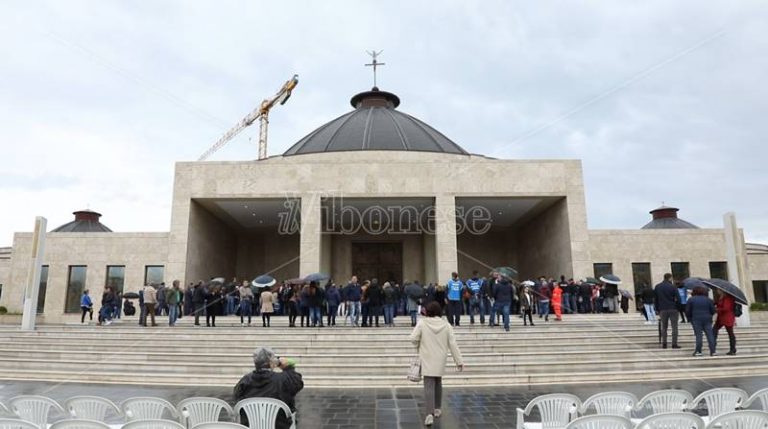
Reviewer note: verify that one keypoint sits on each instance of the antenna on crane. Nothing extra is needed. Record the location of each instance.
(262, 114)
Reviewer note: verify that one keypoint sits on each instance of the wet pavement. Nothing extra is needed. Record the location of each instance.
(393, 408)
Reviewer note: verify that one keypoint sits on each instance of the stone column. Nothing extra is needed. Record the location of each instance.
(445, 237)
(310, 242)
(738, 269)
(33, 275)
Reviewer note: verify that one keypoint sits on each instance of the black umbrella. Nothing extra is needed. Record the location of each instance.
(131, 295)
(296, 281)
(591, 280)
(507, 272)
(414, 291)
(729, 288)
(317, 277)
(610, 279)
(692, 282)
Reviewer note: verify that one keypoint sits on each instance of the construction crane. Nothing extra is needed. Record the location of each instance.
(262, 114)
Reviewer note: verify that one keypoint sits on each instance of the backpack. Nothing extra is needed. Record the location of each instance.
(737, 310)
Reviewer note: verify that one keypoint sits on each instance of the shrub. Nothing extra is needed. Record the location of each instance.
(759, 306)
(3, 310)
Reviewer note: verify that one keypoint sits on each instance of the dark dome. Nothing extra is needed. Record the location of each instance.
(375, 124)
(666, 218)
(85, 221)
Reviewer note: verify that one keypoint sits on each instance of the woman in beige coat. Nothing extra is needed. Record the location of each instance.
(433, 337)
(267, 306)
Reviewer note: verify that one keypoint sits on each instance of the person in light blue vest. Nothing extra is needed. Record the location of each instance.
(475, 299)
(454, 287)
(683, 292)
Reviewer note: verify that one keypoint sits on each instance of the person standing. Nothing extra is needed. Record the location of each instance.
(666, 299)
(150, 302)
(246, 302)
(454, 287)
(231, 290)
(293, 306)
(474, 286)
(545, 295)
(172, 298)
(683, 292)
(700, 310)
(314, 301)
(390, 303)
(215, 305)
(565, 296)
(502, 296)
(353, 293)
(86, 305)
(413, 293)
(198, 301)
(160, 308)
(649, 298)
(332, 299)
(267, 307)
(375, 297)
(188, 307)
(527, 303)
(557, 301)
(433, 338)
(726, 318)
(107, 304)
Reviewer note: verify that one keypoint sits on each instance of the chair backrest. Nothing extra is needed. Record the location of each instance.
(262, 412)
(762, 396)
(34, 408)
(17, 424)
(153, 424)
(4, 411)
(611, 403)
(79, 424)
(721, 400)
(601, 421)
(667, 401)
(556, 409)
(746, 419)
(194, 411)
(146, 408)
(219, 425)
(90, 407)
(672, 421)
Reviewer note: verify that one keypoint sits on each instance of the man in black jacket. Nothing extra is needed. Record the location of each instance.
(666, 304)
(198, 301)
(263, 382)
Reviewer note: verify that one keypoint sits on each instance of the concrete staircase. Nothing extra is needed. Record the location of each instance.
(582, 349)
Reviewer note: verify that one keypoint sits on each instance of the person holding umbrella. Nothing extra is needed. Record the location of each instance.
(725, 318)
(700, 310)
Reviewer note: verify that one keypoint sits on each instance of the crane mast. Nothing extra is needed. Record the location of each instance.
(262, 114)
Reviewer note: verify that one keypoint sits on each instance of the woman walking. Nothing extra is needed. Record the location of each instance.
(86, 305)
(700, 310)
(246, 302)
(526, 304)
(267, 307)
(433, 337)
(215, 306)
(726, 318)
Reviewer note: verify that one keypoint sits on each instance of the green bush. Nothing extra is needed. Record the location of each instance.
(3, 310)
(755, 306)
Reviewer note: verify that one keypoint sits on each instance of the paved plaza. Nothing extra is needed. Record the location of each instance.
(393, 408)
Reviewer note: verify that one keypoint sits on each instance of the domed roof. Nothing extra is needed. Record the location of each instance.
(375, 124)
(85, 221)
(666, 218)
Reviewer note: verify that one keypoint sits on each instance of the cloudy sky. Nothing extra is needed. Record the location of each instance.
(662, 101)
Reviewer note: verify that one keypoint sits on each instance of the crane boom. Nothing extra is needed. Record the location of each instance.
(261, 113)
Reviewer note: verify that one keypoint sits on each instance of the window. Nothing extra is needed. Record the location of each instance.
(718, 270)
(154, 274)
(680, 271)
(602, 269)
(761, 290)
(641, 275)
(115, 277)
(75, 288)
(42, 289)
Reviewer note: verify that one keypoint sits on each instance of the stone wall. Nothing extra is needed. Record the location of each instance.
(212, 246)
(96, 251)
(545, 244)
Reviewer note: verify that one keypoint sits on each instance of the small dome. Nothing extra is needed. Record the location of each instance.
(375, 124)
(665, 217)
(85, 221)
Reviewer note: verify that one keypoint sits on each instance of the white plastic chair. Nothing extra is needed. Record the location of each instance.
(219, 425)
(262, 412)
(666, 401)
(34, 408)
(90, 407)
(194, 411)
(79, 424)
(17, 424)
(4, 411)
(146, 408)
(721, 400)
(601, 421)
(153, 424)
(672, 421)
(746, 419)
(556, 410)
(762, 396)
(611, 403)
